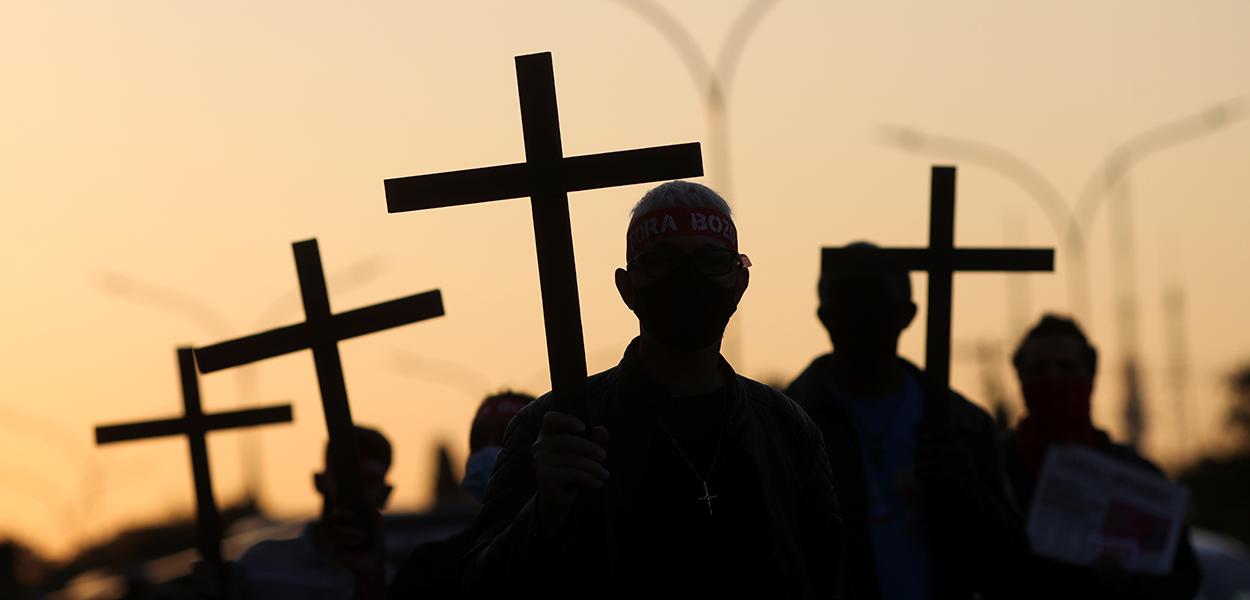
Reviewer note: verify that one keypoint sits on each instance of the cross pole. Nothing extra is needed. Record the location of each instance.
(547, 177)
(940, 260)
(195, 424)
(321, 332)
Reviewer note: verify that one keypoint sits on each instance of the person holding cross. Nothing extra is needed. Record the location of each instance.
(685, 478)
(1056, 365)
(928, 511)
(432, 569)
(333, 557)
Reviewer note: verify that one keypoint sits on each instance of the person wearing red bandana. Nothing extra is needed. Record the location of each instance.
(688, 479)
(1056, 366)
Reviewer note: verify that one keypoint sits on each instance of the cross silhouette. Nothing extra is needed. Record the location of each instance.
(195, 424)
(708, 497)
(320, 332)
(546, 177)
(940, 260)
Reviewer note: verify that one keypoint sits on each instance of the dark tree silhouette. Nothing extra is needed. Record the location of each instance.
(1219, 485)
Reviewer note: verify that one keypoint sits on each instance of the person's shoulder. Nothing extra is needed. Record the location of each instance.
(1127, 454)
(287, 568)
(774, 405)
(763, 392)
(962, 412)
(805, 388)
(267, 553)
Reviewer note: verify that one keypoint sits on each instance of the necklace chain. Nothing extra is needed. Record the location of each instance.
(707, 494)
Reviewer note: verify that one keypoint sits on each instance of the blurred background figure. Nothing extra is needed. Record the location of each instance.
(19, 572)
(432, 570)
(1056, 366)
(1220, 483)
(1219, 487)
(916, 489)
(486, 438)
(333, 554)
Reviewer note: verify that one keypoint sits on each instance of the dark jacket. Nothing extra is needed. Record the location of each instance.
(977, 537)
(432, 570)
(802, 513)
(1047, 578)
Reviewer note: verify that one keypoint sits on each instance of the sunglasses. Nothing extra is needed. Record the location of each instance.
(710, 262)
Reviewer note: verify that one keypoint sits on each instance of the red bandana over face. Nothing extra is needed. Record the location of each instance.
(663, 223)
(1058, 413)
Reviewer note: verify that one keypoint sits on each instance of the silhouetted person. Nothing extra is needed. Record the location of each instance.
(13, 558)
(327, 560)
(713, 485)
(926, 505)
(1239, 412)
(1219, 482)
(1056, 365)
(433, 570)
(486, 437)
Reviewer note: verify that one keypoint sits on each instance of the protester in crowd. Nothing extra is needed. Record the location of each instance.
(712, 485)
(335, 556)
(1056, 366)
(927, 509)
(433, 570)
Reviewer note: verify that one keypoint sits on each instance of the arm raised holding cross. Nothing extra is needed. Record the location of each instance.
(354, 521)
(554, 520)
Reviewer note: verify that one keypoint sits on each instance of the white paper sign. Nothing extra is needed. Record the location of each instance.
(1088, 505)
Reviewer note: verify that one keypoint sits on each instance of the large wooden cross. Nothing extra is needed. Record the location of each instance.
(320, 332)
(940, 260)
(195, 424)
(546, 177)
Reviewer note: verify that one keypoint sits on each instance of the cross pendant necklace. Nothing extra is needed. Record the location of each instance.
(708, 497)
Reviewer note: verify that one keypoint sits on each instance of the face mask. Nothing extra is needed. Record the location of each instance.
(477, 471)
(1059, 405)
(685, 310)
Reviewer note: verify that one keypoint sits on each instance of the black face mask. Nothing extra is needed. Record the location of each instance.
(685, 310)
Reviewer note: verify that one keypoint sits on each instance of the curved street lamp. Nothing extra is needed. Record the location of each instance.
(1044, 193)
(1110, 176)
(70, 447)
(1115, 166)
(1111, 179)
(713, 80)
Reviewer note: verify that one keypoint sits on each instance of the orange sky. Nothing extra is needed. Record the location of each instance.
(186, 145)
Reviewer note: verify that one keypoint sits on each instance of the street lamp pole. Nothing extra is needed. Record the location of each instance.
(1044, 193)
(713, 82)
(1112, 180)
(1109, 180)
(65, 442)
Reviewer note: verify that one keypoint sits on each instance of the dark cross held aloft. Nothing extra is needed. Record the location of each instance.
(941, 260)
(195, 424)
(320, 332)
(546, 177)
